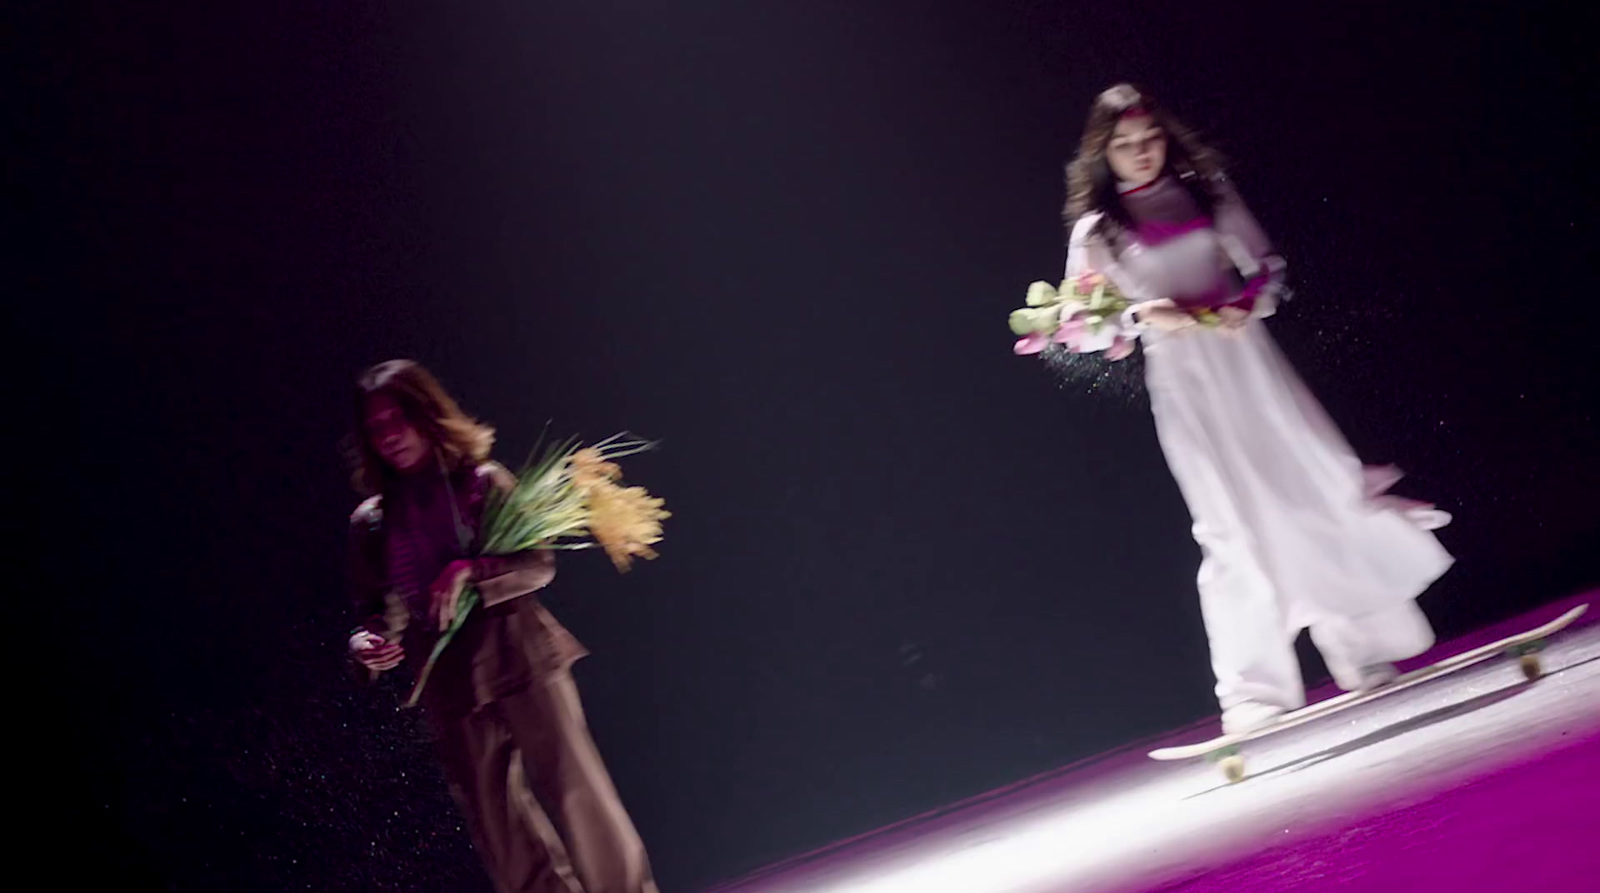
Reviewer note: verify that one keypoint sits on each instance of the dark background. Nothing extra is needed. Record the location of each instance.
(905, 566)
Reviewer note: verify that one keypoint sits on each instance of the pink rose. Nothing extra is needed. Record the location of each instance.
(1120, 349)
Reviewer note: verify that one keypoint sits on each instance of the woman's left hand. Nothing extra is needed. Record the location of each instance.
(447, 591)
(1233, 318)
(1163, 314)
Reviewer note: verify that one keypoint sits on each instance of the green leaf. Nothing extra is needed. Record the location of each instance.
(469, 600)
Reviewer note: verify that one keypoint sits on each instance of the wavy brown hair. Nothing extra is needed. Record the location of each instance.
(461, 440)
(1092, 187)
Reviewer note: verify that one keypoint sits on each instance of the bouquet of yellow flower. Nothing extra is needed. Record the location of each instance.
(1084, 314)
(570, 497)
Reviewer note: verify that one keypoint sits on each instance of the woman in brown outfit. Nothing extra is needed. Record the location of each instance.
(543, 812)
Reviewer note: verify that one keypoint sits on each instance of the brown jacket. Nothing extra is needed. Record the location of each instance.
(508, 643)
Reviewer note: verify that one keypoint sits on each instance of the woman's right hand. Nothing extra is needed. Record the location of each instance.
(1163, 315)
(374, 652)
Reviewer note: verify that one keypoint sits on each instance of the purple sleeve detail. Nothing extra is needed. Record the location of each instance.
(1251, 291)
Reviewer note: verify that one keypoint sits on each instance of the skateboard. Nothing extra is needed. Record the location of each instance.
(1524, 646)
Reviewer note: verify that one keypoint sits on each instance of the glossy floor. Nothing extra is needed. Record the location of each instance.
(1475, 781)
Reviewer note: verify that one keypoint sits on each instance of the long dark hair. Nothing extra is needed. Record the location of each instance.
(1092, 187)
(461, 441)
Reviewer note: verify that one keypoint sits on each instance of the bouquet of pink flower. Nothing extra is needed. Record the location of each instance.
(1084, 315)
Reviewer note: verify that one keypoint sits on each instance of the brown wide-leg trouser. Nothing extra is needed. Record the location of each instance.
(544, 814)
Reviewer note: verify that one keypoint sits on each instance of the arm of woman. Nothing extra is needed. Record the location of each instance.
(500, 578)
(1087, 252)
(374, 644)
(364, 566)
(1251, 252)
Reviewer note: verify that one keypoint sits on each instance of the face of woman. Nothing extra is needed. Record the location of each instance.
(1137, 152)
(392, 436)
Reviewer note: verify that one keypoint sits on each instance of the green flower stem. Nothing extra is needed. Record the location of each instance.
(469, 600)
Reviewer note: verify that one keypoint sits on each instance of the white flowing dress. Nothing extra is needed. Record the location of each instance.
(1294, 532)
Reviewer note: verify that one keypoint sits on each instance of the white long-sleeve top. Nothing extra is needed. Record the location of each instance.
(1176, 251)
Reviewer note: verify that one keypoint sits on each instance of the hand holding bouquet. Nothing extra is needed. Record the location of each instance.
(1084, 315)
(1168, 316)
(569, 498)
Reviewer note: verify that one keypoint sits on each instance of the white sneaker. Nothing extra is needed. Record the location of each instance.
(1248, 716)
(1376, 675)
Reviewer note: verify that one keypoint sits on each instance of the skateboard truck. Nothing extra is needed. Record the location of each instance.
(1527, 655)
(1230, 761)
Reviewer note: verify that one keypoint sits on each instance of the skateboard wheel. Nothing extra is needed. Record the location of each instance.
(1531, 668)
(1232, 768)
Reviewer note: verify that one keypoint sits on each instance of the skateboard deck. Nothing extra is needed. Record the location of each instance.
(1524, 646)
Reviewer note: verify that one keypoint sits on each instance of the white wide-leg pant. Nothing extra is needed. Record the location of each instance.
(1294, 532)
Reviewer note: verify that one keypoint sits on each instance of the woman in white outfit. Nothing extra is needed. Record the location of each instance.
(1294, 532)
